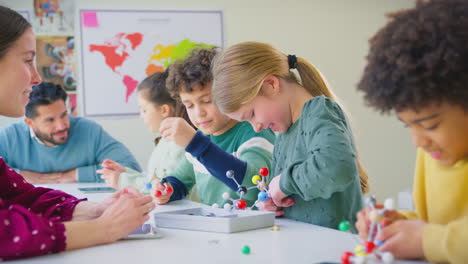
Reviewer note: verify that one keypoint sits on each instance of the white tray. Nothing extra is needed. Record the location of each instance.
(217, 220)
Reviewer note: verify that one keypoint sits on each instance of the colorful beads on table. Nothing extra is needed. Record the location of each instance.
(275, 228)
(346, 257)
(344, 226)
(245, 250)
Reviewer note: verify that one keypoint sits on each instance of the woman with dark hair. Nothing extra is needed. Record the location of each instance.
(34, 220)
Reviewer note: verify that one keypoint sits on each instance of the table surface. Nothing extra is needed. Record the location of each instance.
(295, 242)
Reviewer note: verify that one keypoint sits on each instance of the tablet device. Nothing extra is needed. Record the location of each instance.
(145, 231)
(97, 189)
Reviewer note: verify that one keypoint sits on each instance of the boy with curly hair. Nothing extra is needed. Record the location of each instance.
(418, 67)
(219, 145)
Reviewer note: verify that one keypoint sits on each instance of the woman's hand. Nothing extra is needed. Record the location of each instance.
(125, 214)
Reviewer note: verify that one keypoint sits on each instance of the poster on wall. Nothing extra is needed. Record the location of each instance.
(56, 63)
(53, 17)
(119, 48)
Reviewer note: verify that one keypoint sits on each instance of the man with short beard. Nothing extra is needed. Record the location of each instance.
(51, 146)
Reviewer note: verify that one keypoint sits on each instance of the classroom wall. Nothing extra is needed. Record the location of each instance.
(333, 35)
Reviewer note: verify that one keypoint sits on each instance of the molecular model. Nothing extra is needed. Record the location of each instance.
(367, 251)
(260, 183)
(158, 193)
(167, 189)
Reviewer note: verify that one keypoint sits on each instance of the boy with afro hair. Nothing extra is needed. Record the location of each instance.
(418, 67)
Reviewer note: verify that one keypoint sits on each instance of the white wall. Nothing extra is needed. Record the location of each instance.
(331, 34)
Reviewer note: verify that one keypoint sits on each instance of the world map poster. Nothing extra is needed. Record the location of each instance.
(119, 48)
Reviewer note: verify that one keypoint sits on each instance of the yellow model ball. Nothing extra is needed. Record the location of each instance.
(256, 179)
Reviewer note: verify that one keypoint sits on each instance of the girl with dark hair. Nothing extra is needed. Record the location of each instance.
(156, 104)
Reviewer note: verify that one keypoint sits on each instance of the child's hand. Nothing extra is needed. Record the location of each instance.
(159, 193)
(363, 220)
(363, 223)
(111, 171)
(403, 239)
(279, 198)
(268, 205)
(113, 165)
(177, 130)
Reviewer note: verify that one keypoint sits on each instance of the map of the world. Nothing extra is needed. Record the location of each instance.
(115, 61)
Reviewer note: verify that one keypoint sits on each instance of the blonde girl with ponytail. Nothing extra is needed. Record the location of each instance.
(316, 175)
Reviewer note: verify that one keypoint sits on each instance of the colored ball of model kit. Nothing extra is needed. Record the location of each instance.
(359, 260)
(344, 226)
(163, 180)
(264, 172)
(242, 190)
(215, 205)
(256, 179)
(375, 217)
(370, 246)
(169, 189)
(389, 204)
(387, 257)
(149, 186)
(346, 257)
(262, 196)
(262, 186)
(245, 250)
(379, 243)
(158, 193)
(241, 204)
(370, 200)
(360, 251)
(226, 196)
(227, 206)
(230, 174)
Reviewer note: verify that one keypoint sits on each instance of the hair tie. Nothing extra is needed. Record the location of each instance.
(292, 61)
